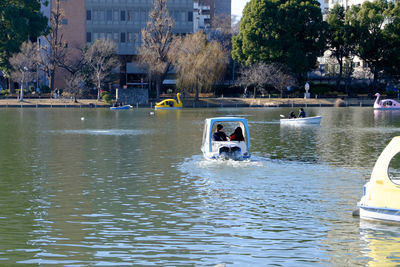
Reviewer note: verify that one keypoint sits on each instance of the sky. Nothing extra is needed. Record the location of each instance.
(237, 6)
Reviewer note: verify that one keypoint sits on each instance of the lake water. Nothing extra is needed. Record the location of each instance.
(123, 188)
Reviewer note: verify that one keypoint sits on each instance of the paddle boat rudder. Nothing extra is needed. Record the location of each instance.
(236, 150)
(170, 103)
(381, 195)
(385, 104)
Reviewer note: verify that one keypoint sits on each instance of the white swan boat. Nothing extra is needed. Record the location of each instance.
(381, 195)
(236, 150)
(385, 104)
(306, 120)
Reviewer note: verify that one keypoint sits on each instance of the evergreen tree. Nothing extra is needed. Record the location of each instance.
(20, 21)
(290, 32)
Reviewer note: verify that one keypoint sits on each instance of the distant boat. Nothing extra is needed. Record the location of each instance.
(121, 107)
(381, 195)
(170, 103)
(236, 150)
(306, 120)
(385, 104)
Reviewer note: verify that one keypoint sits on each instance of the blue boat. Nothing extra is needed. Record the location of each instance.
(121, 107)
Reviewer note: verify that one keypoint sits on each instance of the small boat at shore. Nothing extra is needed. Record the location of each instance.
(300, 121)
(121, 107)
(170, 103)
(235, 150)
(385, 104)
(381, 195)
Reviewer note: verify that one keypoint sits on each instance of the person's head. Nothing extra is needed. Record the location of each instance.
(238, 130)
(301, 109)
(219, 127)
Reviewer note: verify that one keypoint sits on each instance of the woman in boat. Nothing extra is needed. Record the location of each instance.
(302, 113)
(237, 135)
(292, 115)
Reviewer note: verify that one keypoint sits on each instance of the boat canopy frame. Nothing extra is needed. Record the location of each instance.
(210, 122)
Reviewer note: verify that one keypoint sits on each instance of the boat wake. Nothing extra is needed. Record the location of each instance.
(111, 132)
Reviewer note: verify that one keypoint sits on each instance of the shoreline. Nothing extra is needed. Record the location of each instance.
(190, 103)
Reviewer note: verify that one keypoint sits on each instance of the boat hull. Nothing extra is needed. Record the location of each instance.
(382, 108)
(167, 108)
(307, 120)
(380, 214)
(121, 108)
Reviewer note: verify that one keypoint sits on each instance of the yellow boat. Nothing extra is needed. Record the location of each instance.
(381, 195)
(170, 103)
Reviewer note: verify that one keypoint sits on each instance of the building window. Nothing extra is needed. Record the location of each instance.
(64, 21)
(129, 37)
(88, 14)
(109, 15)
(88, 37)
(122, 17)
(116, 15)
(122, 37)
(190, 16)
(115, 37)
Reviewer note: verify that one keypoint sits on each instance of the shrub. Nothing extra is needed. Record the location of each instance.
(4, 92)
(106, 97)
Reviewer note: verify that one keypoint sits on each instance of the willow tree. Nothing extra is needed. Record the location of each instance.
(199, 63)
(156, 43)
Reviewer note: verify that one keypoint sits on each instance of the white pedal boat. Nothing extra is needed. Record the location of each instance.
(385, 104)
(306, 120)
(381, 195)
(236, 150)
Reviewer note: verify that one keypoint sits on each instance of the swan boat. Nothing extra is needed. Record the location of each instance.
(236, 150)
(170, 103)
(381, 195)
(306, 120)
(121, 107)
(385, 104)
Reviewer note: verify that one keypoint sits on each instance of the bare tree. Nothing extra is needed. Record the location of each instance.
(24, 65)
(199, 63)
(101, 58)
(74, 78)
(156, 43)
(54, 51)
(261, 74)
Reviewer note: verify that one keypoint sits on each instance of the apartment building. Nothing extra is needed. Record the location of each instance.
(206, 10)
(120, 20)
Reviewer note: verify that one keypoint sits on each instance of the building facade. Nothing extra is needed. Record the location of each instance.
(120, 20)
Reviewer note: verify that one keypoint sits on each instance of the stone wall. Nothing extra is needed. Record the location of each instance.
(132, 96)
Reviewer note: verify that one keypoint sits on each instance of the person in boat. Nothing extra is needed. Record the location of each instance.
(219, 134)
(302, 113)
(237, 135)
(292, 115)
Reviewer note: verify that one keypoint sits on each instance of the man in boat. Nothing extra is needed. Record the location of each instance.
(219, 135)
(292, 115)
(302, 113)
